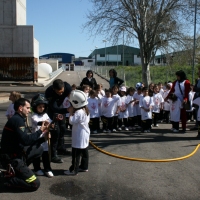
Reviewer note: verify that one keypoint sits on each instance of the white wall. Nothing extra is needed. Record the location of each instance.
(36, 49)
(88, 64)
(16, 41)
(21, 12)
(109, 57)
(137, 60)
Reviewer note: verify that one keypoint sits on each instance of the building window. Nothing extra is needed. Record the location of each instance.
(90, 60)
(102, 55)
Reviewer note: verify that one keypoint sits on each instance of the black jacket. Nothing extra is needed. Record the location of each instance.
(91, 83)
(55, 101)
(15, 137)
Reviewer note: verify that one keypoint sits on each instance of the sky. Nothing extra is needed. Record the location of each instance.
(58, 26)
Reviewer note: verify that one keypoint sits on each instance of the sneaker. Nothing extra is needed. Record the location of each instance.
(188, 120)
(126, 129)
(119, 129)
(172, 129)
(56, 159)
(72, 173)
(156, 125)
(82, 170)
(149, 131)
(175, 131)
(108, 131)
(114, 130)
(104, 131)
(145, 131)
(39, 173)
(95, 132)
(49, 174)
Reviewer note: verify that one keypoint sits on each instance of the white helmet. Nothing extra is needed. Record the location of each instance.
(78, 99)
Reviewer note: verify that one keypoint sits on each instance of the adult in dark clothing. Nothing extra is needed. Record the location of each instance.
(55, 94)
(13, 142)
(89, 80)
(114, 80)
(196, 89)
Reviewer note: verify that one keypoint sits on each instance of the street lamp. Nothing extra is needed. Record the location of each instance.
(122, 28)
(91, 52)
(117, 53)
(96, 55)
(194, 44)
(105, 50)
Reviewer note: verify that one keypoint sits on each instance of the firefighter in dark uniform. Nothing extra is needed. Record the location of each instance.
(55, 94)
(13, 142)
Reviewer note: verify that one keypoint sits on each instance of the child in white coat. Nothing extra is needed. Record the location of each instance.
(166, 106)
(79, 118)
(130, 104)
(108, 110)
(146, 104)
(93, 106)
(123, 110)
(158, 104)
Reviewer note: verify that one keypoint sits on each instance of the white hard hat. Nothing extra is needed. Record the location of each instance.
(78, 99)
(123, 89)
(138, 85)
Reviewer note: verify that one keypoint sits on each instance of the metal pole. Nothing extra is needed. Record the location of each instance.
(105, 53)
(194, 45)
(117, 55)
(123, 47)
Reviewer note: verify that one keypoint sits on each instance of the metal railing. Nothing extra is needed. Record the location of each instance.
(57, 72)
(103, 71)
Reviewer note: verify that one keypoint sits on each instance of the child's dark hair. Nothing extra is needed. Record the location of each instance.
(155, 86)
(98, 86)
(92, 92)
(73, 86)
(131, 89)
(85, 86)
(173, 97)
(144, 89)
(115, 87)
(108, 90)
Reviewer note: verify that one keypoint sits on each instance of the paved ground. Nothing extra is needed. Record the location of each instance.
(112, 178)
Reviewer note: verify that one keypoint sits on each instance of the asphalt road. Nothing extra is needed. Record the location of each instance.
(112, 178)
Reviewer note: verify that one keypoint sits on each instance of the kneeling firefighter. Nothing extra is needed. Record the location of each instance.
(13, 143)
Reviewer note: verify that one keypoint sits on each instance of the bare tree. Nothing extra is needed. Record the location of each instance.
(154, 23)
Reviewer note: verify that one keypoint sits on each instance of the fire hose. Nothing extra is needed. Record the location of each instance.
(145, 159)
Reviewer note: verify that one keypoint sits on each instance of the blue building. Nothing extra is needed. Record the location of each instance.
(61, 57)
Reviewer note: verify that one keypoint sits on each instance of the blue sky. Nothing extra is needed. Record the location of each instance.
(57, 26)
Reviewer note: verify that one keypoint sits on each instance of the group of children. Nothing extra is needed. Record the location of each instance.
(116, 107)
(123, 108)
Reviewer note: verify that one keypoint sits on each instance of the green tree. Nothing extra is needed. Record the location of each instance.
(156, 24)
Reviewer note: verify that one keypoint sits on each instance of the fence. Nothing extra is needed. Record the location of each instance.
(133, 74)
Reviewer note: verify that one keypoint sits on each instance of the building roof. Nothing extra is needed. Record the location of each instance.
(115, 49)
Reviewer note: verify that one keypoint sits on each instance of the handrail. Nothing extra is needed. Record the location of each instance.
(55, 73)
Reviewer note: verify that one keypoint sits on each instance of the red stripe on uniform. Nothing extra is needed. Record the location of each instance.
(8, 129)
